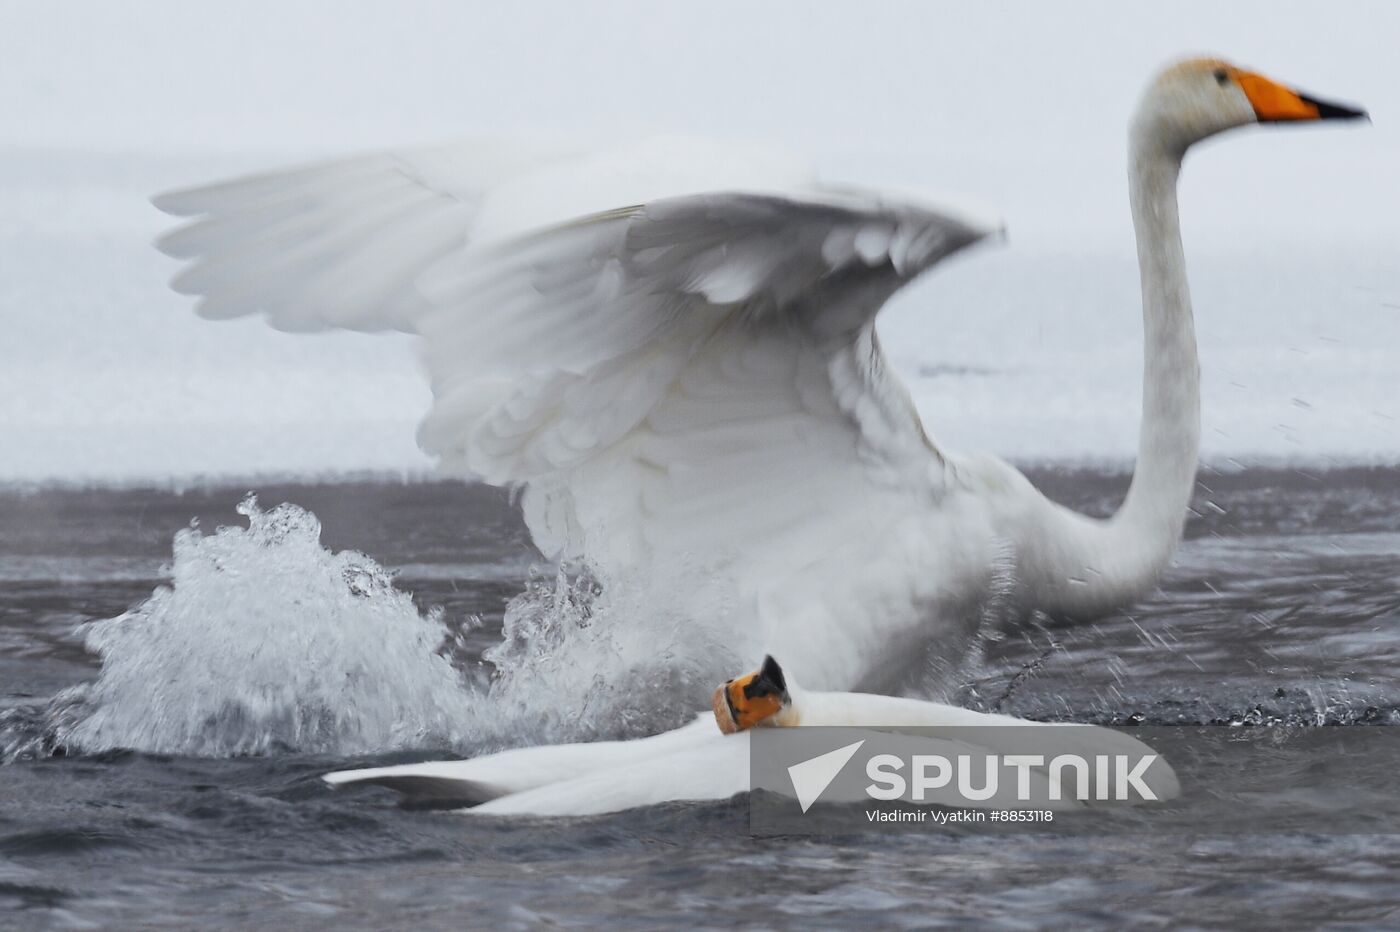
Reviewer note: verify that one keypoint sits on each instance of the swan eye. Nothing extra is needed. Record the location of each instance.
(1221, 76)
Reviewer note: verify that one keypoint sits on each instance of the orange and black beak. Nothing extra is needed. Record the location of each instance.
(748, 700)
(1274, 103)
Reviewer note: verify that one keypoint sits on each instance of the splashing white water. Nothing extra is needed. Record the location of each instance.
(264, 640)
(580, 658)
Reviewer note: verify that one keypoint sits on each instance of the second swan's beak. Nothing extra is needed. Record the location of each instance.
(1274, 103)
(748, 700)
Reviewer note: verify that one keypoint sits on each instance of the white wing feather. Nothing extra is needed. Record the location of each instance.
(697, 762)
(680, 377)
(517, 770)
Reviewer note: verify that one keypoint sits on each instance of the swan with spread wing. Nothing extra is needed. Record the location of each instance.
(670, 347)
(700, 761)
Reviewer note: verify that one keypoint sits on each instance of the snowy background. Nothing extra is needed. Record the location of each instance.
(1030, 349)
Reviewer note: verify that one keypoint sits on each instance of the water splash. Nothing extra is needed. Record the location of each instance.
(266, 641)
(580, 658)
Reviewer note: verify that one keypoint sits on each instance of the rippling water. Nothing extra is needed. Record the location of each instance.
(1283, 605)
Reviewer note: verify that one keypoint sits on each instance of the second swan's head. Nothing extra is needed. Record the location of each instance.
(1199, 97)
(753, 699)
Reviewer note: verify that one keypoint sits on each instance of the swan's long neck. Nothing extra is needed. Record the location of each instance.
(1091, 566)
(1170, 435)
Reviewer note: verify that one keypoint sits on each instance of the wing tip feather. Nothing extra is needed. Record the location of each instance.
(180, 202)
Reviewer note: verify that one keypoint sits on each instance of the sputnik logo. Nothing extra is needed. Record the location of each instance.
(811, 777)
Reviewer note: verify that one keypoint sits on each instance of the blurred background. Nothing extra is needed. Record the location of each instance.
(1030, 348)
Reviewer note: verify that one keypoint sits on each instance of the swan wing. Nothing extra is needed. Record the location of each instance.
(342, 243)
(520, 769)
(714, 768)
(652, 369)
(717, 768)
(693, 391)
(426, 782)
(680, 380)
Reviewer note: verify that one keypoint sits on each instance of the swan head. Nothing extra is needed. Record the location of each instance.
(752, 699)
(1200, 97)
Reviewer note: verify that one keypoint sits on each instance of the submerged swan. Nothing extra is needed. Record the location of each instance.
(670, 347)
(709, 758)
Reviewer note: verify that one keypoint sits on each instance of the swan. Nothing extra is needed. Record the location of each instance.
(708, 759)
(668, 347)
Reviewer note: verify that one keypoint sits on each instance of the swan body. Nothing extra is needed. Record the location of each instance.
(670, 347)
(700, 761)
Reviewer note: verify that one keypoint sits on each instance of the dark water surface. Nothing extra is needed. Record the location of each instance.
(1283, 606)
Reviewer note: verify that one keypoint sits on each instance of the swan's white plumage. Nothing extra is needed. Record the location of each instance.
(673, 377)
(521, 769)
(343, 243)
(697, 762)
(670, 345)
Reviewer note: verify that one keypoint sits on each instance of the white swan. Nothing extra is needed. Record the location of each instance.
(709, 758)
(671, 348)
